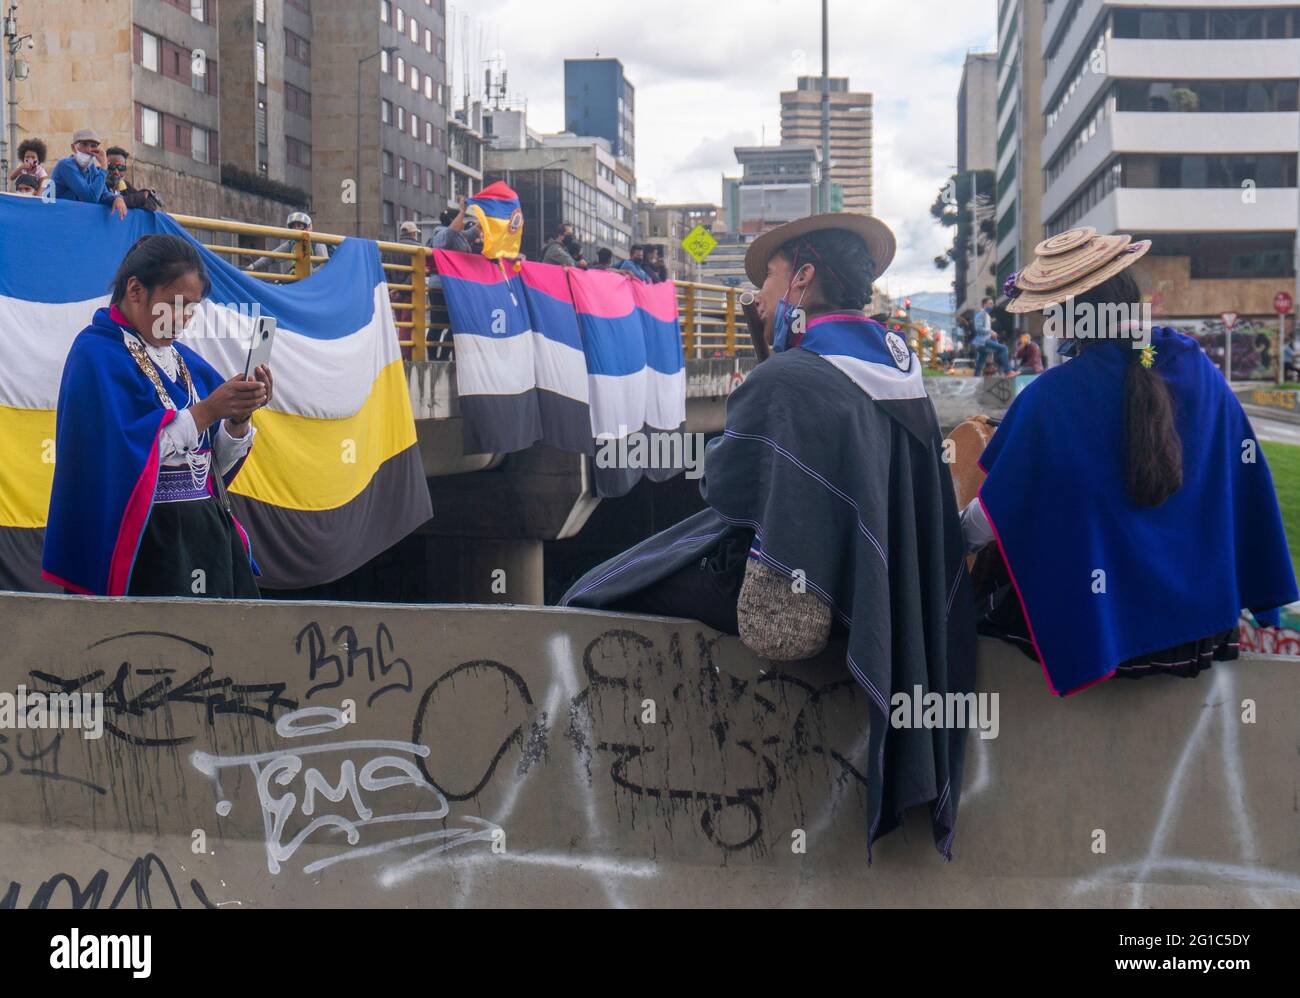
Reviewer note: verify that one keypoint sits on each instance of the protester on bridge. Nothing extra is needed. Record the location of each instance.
(632, 265)
(831, 510)
(117, 183)
(299, 221)
(82, 177)
(134, 509)
(654, 265)
(1132, 509)
(31, 159)
(449, 233)
(559, 248)
(28, 185)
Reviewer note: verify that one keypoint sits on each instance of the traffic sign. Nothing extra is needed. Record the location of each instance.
(1229, 319)
(699, 243)
(1282, 303)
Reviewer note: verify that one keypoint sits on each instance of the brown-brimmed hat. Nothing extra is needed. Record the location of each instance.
(1069, 264)
(880, 241)
(85, 135)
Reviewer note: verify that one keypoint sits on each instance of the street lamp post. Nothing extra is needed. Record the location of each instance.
(389, 50)
(823, 202)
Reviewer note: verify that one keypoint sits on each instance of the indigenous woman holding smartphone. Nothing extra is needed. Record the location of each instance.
(148, 435)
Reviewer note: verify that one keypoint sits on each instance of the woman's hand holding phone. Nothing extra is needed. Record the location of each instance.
(235, 401)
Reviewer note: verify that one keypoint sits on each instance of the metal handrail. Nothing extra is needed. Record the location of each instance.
(709, 313)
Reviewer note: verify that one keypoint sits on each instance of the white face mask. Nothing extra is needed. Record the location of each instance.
(84, 159)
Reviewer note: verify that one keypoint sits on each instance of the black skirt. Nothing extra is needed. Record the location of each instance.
(1001, 616)
(192, 548)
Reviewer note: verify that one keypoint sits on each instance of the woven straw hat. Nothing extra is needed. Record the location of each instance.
(1071, 263)
(879, 238)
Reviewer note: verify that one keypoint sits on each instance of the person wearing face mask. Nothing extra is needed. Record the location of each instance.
(82, 176)
(148, 437)
(559, 249)
(831, 513)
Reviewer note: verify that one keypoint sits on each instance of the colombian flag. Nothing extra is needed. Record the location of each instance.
(496, 210)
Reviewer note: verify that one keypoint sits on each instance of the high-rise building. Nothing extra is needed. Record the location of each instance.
(977, 119)
(1178, 122)
(396, 150)
(778, 184)
(144, 75)
(465, 144)
(247, 109)
(599, 100)
(568, 178)
(1020, 133)
(850, 134)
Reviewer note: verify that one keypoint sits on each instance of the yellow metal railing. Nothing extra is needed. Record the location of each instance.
(710, 314)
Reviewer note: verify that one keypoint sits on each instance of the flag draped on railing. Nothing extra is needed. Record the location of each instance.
(334, 477)
(573, 359)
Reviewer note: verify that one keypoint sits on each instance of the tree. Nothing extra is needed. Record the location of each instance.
(951, 209)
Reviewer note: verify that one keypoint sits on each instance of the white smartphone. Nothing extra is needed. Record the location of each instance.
(259, 350)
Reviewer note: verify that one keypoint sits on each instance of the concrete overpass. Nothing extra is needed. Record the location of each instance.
(484, 522)
(513, 756)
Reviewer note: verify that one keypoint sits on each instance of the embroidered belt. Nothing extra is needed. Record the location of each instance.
(177, 485)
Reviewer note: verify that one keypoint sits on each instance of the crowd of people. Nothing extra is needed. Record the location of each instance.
(89, 173)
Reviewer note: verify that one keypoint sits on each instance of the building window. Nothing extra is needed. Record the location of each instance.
(415, 174)
(384, 65)
(198, 10)
(428, 181)
(149, 51)
(386, 111)
(415, 125)
(387, 161)
(428, 87)
(401, 119)
(297, 100)
(389, 213)
(401, 69)
(199, 74)
(199, 144)
(297, 48)
(401, 21)
(415, 79)
(259, 11)
(385, 11)
(428, 133)
(415, 32)
(261, 62)
(428, 41)
(150, 127)
(298, 153)
(401, 167)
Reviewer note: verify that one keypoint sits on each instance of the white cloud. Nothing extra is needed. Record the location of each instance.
(708, 75)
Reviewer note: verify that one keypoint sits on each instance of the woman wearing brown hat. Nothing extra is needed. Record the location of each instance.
(830, 508)
(1132, 510)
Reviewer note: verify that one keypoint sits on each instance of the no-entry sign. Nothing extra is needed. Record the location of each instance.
(1282, 303)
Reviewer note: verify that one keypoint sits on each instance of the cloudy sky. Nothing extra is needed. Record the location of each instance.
(708, 73)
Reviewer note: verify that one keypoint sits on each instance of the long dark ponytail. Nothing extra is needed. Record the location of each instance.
(1153, 450)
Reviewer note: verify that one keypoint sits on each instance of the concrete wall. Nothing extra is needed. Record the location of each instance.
(504, 756)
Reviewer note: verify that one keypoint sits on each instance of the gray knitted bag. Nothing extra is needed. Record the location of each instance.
(775, 621)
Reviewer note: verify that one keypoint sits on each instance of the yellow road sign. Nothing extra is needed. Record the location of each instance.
(699, 243)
